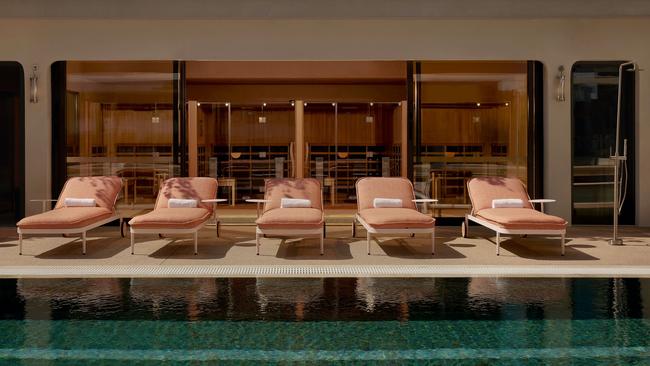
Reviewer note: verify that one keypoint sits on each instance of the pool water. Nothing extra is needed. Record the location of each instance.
(452, 321)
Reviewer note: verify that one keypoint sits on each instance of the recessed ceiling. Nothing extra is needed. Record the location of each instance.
(321, 9)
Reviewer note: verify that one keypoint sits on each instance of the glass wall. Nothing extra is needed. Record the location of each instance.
(347, 141)
(594, 94)
(119, 120)
(470, 120)
(244, 144)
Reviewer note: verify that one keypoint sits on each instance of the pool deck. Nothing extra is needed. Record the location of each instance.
(233, 255)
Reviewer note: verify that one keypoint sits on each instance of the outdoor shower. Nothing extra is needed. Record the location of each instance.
(620, 161)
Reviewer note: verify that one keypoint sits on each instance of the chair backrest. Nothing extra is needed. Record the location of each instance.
(196, 188)
(276, 189)
(382, 187)
(104, 189)
(485, 189)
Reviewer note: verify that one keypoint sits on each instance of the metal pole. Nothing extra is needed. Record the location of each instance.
(615, 240)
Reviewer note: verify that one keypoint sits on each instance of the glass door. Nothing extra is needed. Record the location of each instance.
(594, 94)
(244, 144)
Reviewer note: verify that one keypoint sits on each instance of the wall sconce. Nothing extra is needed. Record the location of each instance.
(262, 118)
(369, 117)
(561, 79)
(155, 118)
(33, 85)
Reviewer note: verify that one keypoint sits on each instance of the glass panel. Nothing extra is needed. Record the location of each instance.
(261, 138)
(119, 121)
(594, 93)
(471, 121)
(348, 141)
(320, 146)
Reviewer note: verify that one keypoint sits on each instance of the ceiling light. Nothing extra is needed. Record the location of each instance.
(478, 104)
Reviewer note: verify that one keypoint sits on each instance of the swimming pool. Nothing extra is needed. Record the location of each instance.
(450, 321)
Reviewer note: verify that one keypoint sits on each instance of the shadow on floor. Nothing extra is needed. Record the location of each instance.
(96, 248)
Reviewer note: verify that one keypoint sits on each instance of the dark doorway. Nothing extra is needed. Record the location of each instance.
(12, 143)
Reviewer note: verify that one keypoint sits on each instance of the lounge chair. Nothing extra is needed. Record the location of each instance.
(519, 217)
(179, 209)
(84, 204)
(278, 219)
(374, 195)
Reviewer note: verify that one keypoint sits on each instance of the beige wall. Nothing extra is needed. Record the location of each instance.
(553, 41)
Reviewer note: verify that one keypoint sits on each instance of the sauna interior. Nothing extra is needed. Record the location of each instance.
(437, 122)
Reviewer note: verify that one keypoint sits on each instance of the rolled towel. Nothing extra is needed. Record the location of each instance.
(507, 203)
(181, 203)
(295, 203)
(79, 202)
(387, 203)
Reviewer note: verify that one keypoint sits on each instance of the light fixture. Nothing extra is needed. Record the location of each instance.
(561, 79)
(369, 117)
(304, 104)
(33, 85)
(155, 118)
(262, 118)
(333, 104)
(293, 104)
(478, 104)
(507, 104)
(227, 104)
(198, 104)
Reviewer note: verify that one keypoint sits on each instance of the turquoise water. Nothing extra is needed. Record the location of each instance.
(333, 321)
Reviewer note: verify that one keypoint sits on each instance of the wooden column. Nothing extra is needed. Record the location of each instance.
(192, 138)
(404, 140)
(300, 139)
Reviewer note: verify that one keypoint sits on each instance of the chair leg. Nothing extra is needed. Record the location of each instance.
(20, 243)
(324, 230)
(132, 241)
(196, 242)
(122, 227)
(322, 247)
(218, 228)
(354, 228)
(368, 242)
(83, 243)
(498, 242)
(433, 242)
(563, 245)
(257, 241)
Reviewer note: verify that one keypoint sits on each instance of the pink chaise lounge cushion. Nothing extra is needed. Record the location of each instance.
(485, 189)
(275, 217)
(396, 218)
(278, 188)
(103, 189)
(177, 218)
(291, 218)
(370, 188)
(196, 188)
(522, 218)
(65, 218)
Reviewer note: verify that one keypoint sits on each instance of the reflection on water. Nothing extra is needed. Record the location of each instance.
(324, 299)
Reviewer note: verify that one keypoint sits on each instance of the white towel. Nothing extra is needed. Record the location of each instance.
(387, 203)
(508, 203)
(181, 203)
(79, 202)
(295, 203)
